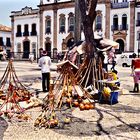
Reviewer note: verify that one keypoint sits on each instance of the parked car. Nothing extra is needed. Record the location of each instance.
(125, 59)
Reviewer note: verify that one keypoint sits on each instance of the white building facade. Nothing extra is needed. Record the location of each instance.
(5, 38)
(25, 32)
(54, 23)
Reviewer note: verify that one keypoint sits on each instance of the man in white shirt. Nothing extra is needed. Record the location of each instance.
(45, 63)
(31, 57)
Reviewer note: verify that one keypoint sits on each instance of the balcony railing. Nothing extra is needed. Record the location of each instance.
(71, 28)
(114, 28)
(137, 22)
(33, 33)
(8, 44)
(98, 26)
(62, 29)
(120, 5)
(25, 33)
(124, 27)
(48, 30)
(119, 27)
(18, 34)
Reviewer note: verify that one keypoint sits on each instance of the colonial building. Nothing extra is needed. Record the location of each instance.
(25, 32)
(51, 26)
(5, 38)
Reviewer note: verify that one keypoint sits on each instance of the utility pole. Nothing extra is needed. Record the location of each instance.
(77, 27)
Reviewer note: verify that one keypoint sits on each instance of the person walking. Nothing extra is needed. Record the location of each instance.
(135, 66)
(113, 64)
(31, 57)
(105, 64)
(45, 63)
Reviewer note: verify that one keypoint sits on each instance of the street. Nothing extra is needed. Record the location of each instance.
(106, 122)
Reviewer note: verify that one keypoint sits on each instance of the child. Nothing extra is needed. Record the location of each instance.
(115, 77)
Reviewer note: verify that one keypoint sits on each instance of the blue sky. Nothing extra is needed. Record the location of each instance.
(6, 6)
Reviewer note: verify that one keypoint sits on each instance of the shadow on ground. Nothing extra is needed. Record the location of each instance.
(81, 128)
(3, 127)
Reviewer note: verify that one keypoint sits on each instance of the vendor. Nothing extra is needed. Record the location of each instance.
(115, 77)
(136, 72)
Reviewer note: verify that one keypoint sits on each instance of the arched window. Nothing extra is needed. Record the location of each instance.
(124, 22)
(48, 25)
(33, 29)
(71, 22)
(62, 23)
(115, 22)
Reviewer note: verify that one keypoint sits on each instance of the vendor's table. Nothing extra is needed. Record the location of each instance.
(114, 93)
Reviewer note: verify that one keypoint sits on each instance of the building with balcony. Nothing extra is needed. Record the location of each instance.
(5, 38)
(25, 32)
(51, 26)
(122, 24)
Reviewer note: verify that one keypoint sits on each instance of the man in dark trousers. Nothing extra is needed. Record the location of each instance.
(113, 64)
(45, 63)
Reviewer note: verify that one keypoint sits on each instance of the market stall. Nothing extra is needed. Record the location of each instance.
(12, 92)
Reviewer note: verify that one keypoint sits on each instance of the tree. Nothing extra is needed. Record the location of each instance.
(88, 15)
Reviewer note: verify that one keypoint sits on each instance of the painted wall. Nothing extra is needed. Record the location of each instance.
(45, 14)
(102, 8)
(62, 36)
(22, 20)
(120, 12)
(5, 35)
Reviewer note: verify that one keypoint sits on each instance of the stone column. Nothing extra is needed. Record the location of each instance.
(77, 27)
(132, 26)
(41, 29)
(107, 22)
(55, 28)
(12, 34)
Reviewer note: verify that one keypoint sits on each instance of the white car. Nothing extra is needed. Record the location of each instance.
(125, 59)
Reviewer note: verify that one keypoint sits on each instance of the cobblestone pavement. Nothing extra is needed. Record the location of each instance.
(106, 122)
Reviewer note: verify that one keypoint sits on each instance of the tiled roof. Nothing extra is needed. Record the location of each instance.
(5, 28)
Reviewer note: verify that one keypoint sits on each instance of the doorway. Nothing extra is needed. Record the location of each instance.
(121, 45)
(26, 49)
